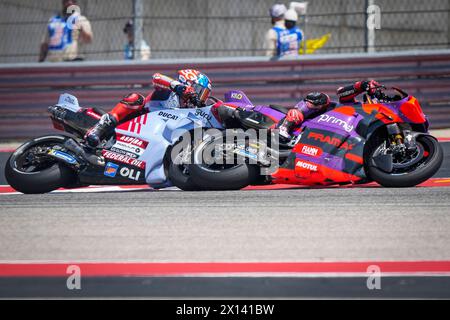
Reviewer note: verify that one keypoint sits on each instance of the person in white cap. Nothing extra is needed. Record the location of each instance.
(291, 39)
(277, 12)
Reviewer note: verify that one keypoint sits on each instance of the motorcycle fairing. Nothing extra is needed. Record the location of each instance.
(69, 102)
(162, 128)
(339, 136)
(321, 158)
(238, 98)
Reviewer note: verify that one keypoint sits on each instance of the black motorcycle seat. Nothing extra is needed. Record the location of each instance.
(279, 108)
(255, 120)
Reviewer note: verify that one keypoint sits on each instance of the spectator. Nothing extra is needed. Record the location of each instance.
(291, 40)
(61, 40)
(277, 12)
(129, 47)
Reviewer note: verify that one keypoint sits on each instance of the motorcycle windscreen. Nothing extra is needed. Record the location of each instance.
(238, 97)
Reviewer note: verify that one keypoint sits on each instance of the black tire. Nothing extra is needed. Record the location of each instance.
(182, 180)
(55, 176)
(419, 174)
(178, 174)
(234, 178)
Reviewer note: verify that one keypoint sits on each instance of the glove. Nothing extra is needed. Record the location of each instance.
(369, 86)
(295, 116)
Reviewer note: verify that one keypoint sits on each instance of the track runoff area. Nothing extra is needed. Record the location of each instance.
(276, 241)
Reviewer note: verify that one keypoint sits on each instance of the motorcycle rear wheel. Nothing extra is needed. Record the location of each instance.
(37, 179)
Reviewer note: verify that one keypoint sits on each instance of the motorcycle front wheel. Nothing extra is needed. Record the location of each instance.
(414, 168)
(177, 160)
(221, 175)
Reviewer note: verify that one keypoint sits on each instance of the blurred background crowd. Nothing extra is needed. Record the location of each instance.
(107, 30)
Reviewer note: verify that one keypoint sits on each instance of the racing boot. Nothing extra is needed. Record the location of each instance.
(103, 129)
(130, 105)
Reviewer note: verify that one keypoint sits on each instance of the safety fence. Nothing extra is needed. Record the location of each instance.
(26, 90)
(218, 28)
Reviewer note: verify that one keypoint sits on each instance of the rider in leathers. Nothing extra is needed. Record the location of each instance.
(317, 103)
(192, 89)
(314, 104)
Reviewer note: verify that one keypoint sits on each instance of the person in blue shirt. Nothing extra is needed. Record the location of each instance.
(290, 38)
(277, 12)
(284, 38)
(64, 33)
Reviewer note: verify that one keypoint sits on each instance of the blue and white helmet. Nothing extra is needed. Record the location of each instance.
(197, 80)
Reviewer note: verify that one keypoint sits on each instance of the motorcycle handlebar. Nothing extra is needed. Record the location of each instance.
(380, 95)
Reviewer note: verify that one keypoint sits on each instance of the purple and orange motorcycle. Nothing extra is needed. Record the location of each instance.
(384, 139)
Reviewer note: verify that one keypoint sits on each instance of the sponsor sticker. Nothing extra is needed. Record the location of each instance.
(336, 121)
(334, 141)
(123, 159)
(119, 151)
(308, 150)
(132, 140)
(130, 173)
(236, 95)
(111, 169)
(306, 165)
(246, 154)
(203, 114)
(129, 145)
(129, 148)
(167, 115)
(63, 156)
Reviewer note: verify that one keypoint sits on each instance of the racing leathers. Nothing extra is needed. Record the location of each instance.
(317, 103)
(313, 105)
(176, 93)
(349, 93)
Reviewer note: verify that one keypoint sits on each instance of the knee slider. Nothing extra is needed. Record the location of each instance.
(133, 100)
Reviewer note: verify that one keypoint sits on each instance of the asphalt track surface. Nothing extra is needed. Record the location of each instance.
(338, 224)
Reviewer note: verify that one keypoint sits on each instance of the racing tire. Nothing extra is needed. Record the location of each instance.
(55, 176)
(233, 178)
(419, 174)
(178, 173)
(182, 180)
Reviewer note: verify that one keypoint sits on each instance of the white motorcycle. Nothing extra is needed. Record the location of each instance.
(140, 151)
